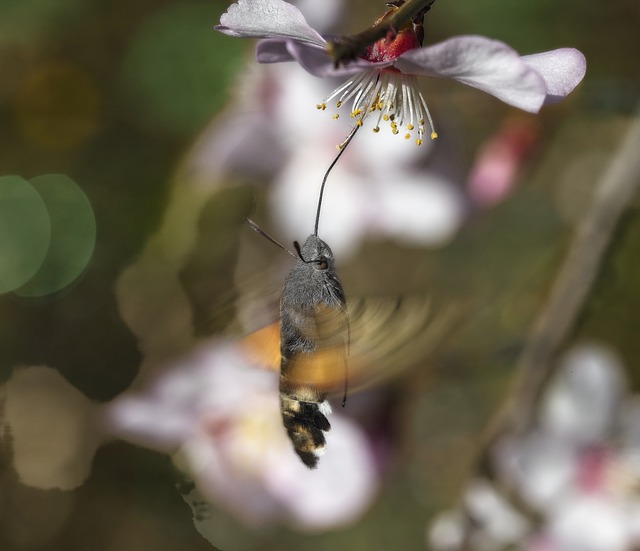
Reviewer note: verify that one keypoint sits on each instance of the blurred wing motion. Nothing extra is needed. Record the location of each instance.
(384, 337)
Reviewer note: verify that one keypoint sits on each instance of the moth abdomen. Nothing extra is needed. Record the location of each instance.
(306, 423)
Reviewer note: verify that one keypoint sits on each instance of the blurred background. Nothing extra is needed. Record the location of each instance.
(134, 141)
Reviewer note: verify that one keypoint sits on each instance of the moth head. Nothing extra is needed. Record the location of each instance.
(315, 252)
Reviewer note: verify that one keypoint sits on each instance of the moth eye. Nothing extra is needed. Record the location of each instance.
(322, 264)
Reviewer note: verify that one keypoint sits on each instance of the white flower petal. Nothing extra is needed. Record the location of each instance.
(583, 403)
(562, 70)
(420, 209)
(272, 50)
(336, 493)
(489, 65)
(267, 19)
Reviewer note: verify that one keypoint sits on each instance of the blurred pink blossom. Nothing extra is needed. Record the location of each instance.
(495, 170)
(218, 415)
(578, 468)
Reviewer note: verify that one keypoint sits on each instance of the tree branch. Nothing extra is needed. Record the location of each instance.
(617, 187)
(348, 47)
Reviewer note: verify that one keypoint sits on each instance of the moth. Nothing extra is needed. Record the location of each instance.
(314, 330)
(325, 343)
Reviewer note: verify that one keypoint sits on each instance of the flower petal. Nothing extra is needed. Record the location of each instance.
(311, 58)
(562, 70)
(489, 65)
(268, 19)
(273, 50)
(320, 64)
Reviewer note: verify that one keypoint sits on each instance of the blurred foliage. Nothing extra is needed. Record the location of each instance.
(113, 94)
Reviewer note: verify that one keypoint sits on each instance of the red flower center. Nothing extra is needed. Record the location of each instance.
(390, 47)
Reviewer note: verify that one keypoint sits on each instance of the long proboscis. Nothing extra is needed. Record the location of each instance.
(342, 146)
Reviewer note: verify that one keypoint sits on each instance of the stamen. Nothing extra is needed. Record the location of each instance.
(434, 134)
(346, 86)
(394, 95)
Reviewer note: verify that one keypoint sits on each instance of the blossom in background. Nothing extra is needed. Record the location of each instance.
(384, 79)
(218, 415)
(380, 189)
(495, 170)
(577, 470)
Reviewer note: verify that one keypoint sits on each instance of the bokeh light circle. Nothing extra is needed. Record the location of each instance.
(73, 235)
(58, 106)
(24, 232)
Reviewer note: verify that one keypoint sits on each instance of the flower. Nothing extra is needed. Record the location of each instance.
(218, 415)
(380, 189)
(396, 196)
(495, 171)
(384, 80)
(576, 471)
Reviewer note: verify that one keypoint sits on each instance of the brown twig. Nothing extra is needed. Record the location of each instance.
(616, 189)
(348, 47)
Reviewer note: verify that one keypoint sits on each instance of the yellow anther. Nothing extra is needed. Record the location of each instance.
(434, 135)
(339, 104)
(410, 126)
(336, 116)
(385, 117)
(407, 136)
(421, 122)
(359, 122)
(418, 141)
(321, 106)
(376, 129)
(394, 130)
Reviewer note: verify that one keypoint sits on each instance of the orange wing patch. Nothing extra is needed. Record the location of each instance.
(263, 347)
(324, 370)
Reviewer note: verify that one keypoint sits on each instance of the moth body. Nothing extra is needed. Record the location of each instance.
(313, 330)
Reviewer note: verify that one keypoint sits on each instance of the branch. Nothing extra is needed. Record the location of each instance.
(616, 189)
(348, 47)
(614, 192)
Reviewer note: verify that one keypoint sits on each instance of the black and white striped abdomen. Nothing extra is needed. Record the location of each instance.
(305, 420)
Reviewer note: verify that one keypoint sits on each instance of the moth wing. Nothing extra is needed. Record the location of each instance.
(263, 347)
(391, 335)
(380, 338)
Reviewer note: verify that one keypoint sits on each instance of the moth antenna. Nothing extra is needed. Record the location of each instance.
(342, 147)
(264, 234)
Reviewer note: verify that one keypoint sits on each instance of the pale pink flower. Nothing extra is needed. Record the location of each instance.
(578, 468)
(384, 80)
(497, 165)
(218, 415)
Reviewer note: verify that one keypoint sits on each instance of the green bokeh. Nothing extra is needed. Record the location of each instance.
(20, 20)
(73, 235)
(177, 70)
(24, 232)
